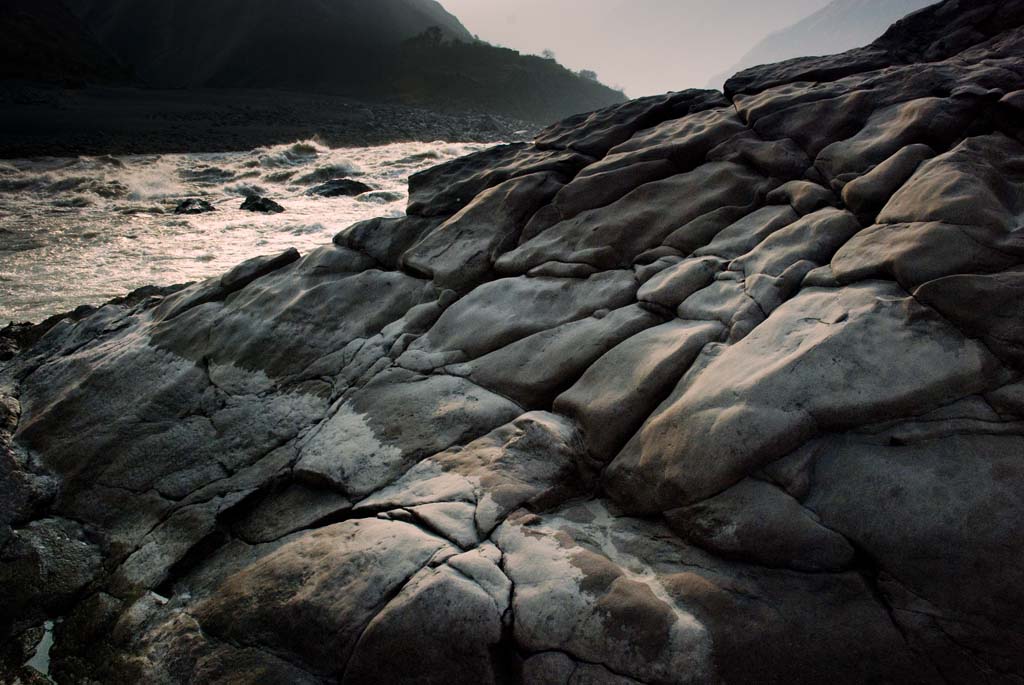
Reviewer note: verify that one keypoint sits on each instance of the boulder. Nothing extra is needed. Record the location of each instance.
(263, 205)
(194, 206)
(340, 187)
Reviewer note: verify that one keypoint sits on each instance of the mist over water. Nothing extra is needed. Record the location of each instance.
(84, 230)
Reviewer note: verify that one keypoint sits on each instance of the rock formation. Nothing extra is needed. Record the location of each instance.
(838, 26)
(702, 388)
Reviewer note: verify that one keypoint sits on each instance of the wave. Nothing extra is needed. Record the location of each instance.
(330, 172)
(380, 197)
(107, 189)
(207, 175)
(416, 158)
(74, 202)
(309, 229)
(244, 189)
(295, 154)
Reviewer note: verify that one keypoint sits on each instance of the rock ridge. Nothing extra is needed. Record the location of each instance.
(700, 388)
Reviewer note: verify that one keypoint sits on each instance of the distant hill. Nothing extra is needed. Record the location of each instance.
(407, 51)
(477, 76)
(40, 40)
(839, 26)
(303, 43)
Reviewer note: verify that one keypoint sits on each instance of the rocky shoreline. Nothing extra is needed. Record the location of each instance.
(702, 388)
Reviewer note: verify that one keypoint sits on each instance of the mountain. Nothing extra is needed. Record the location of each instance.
(703, 388)
(245, 43)
(839, 26)
(408, 51)
(40, 40)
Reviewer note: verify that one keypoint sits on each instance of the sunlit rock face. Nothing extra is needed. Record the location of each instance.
(699, 389)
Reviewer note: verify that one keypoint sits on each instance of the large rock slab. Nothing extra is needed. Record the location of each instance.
(533, 462)
(460, 253)
(447, 188)
(611, 237)
(624, 594)
(595, 133)
(907, 507)
(386, 427)
(532, 371)
(314, 596)
(697, 388)
(826, 360)
(976, 184)
(501, 312)
(617, 394)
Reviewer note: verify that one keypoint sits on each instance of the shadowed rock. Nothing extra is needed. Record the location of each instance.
(341, 187)
(194, 206)
(696, 389)
(262, 205)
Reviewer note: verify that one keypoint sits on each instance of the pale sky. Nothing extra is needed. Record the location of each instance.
(645, 46)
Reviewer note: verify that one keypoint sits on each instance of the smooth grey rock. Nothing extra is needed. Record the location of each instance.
(296, 591)
(702, 440)
(531, 462)
(465, 628)
(906, 507)
(936, 120)
(987, 306)
(393, 422)
(460, 253)
(289, 510)
(758, 522)
(671, 287)
(745, 234)
(584, 576)
(594, 133)
(614, 397)
(500, 312)
(385, 240)
(532, 371)
(814, 238)
(613, 236)
(803, 196)
(445, 189)
(248, 271)
(972, 185)
(870, 192)
(913, 254)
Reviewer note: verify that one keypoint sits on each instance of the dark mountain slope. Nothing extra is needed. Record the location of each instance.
(247, 43)
(408, 51)
(40, 40)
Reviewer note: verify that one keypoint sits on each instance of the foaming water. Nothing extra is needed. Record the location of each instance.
(85, 230)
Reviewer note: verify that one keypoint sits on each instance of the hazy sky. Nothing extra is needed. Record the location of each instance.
(645, 46)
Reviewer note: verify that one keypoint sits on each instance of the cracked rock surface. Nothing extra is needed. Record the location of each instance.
(702, 388)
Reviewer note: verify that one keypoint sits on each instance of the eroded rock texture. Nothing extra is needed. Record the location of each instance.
(698, 389)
